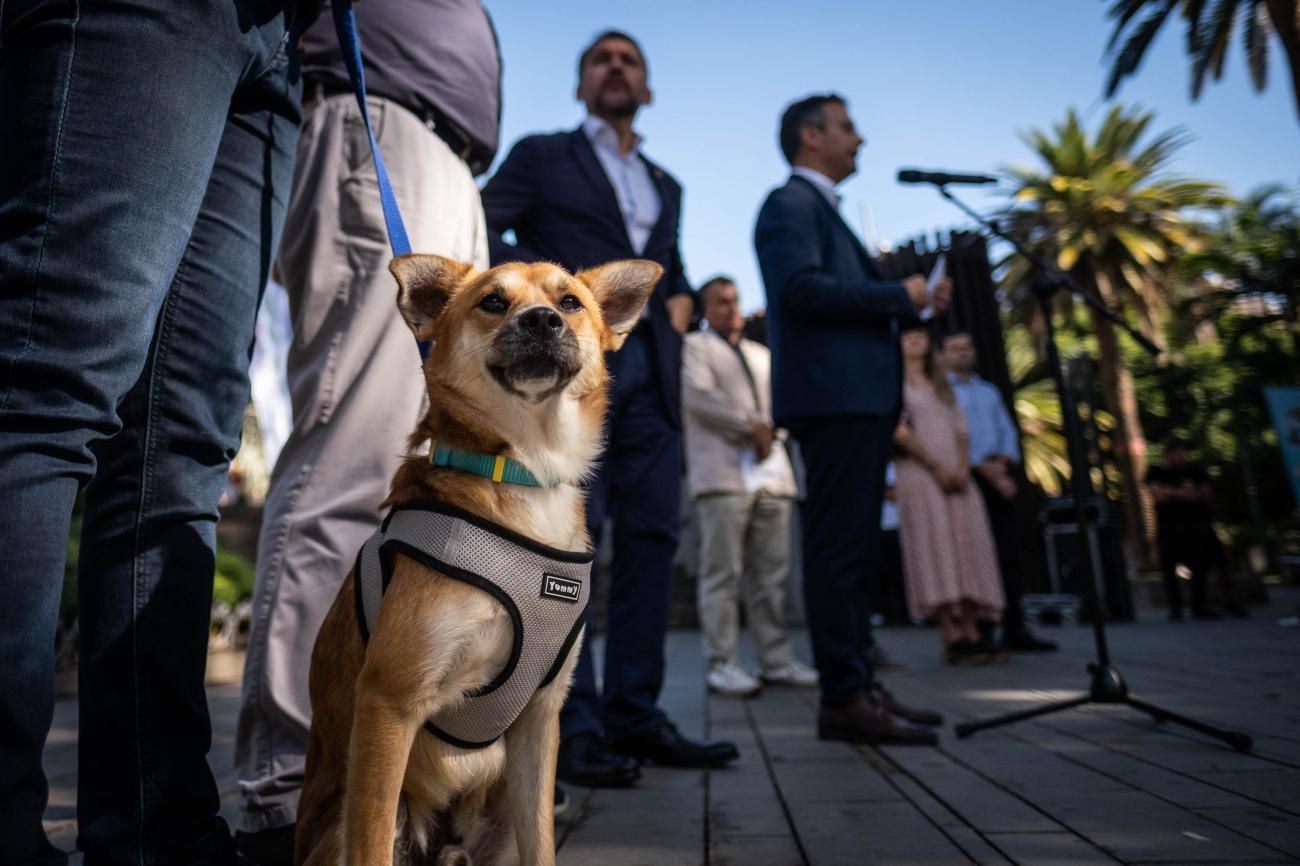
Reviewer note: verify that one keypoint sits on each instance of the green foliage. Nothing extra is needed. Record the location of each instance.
(233, 580)
(68, 601)
(1038, 407)
(1239, 330)
(1209, 394)
(1209, 25)
(1235, 329)
(1105, 208)
(1255, 254)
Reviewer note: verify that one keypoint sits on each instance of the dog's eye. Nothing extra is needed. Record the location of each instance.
(493, 304)
(570, 304)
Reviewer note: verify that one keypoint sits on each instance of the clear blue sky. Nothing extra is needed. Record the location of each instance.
(931, 83)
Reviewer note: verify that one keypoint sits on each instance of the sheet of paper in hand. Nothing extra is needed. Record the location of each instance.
(931, 283)
(758, 474)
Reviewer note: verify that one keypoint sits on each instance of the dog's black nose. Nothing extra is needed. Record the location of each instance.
(541, 321)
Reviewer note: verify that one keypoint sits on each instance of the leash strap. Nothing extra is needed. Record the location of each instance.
(345, 23)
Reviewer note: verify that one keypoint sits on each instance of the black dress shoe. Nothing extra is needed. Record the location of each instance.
(585, 760)
(996, 653)
(965, 652)
(664, 745)
(1027, 642)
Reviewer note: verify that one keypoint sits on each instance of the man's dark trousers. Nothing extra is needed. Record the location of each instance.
(845, 459)
(1004, 522)
(1187, 544)
(637, 485)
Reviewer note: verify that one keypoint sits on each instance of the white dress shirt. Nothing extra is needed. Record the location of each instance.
(638, 198)
(824, 184)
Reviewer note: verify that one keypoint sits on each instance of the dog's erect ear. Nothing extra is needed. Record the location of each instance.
(622, 289)
(424, 284)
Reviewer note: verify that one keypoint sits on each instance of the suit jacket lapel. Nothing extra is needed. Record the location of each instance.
(739, 382)
(667, 221)
(604, 190)
(839, 220)
(762, 378)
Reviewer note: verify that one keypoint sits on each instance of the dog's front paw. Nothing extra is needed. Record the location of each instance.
(453, 855)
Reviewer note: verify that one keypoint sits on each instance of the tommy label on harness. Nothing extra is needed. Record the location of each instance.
(562, 588)
(510, 568)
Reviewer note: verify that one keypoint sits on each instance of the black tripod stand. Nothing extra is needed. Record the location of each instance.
(1106, 686)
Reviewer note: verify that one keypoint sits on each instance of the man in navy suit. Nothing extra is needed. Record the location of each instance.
(583, 198)
(833, 324)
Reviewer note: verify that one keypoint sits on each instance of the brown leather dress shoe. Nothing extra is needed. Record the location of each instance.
(883, 697)
(867, 722)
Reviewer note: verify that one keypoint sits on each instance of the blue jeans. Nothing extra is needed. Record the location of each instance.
(146, 153)
(638, 485)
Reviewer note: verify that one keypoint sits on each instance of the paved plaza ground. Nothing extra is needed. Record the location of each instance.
(1100, 785)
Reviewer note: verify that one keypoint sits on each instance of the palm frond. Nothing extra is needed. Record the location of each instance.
(1255, 37)
(1130, 56)
(1192, 12)
(1123, 12)
(1212, 47)
(1158, 152)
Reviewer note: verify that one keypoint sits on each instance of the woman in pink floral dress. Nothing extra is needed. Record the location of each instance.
(949, 562)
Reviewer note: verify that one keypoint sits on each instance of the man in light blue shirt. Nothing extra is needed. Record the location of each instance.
(994, 454)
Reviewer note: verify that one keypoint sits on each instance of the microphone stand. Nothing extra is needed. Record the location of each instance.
(1106, 686)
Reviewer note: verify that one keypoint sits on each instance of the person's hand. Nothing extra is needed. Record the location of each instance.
(917, 291)
(942, 295)
(762, 436)
(1006, 487)
(954, 481)
(680, 308)
(991, 468)
(947, 478)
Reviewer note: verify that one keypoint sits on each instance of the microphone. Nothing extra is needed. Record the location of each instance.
(941, 178)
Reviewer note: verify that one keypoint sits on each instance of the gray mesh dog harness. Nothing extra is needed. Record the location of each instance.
(544, 590)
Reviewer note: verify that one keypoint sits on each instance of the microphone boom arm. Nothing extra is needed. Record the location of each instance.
(1054, 277)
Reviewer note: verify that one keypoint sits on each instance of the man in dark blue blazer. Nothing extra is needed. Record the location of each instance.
(581, 199)
(833, 324)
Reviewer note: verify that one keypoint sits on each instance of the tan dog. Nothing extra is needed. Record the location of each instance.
(517, 370)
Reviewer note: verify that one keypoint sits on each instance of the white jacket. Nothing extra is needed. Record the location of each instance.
(718, 409)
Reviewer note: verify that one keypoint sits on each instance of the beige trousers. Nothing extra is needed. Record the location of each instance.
(357, 392)
(744, 536)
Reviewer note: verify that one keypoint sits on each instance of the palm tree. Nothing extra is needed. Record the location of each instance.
(1106, 211)
(1209, 33)
(1255, 251)
(1038, 413)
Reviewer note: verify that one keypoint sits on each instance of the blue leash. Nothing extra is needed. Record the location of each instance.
(345, 23)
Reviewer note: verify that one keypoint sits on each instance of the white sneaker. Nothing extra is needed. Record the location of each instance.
(731, 680)
(792, 673)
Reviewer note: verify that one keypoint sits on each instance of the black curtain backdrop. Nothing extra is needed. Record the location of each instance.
(974, 297)
(974, 309)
